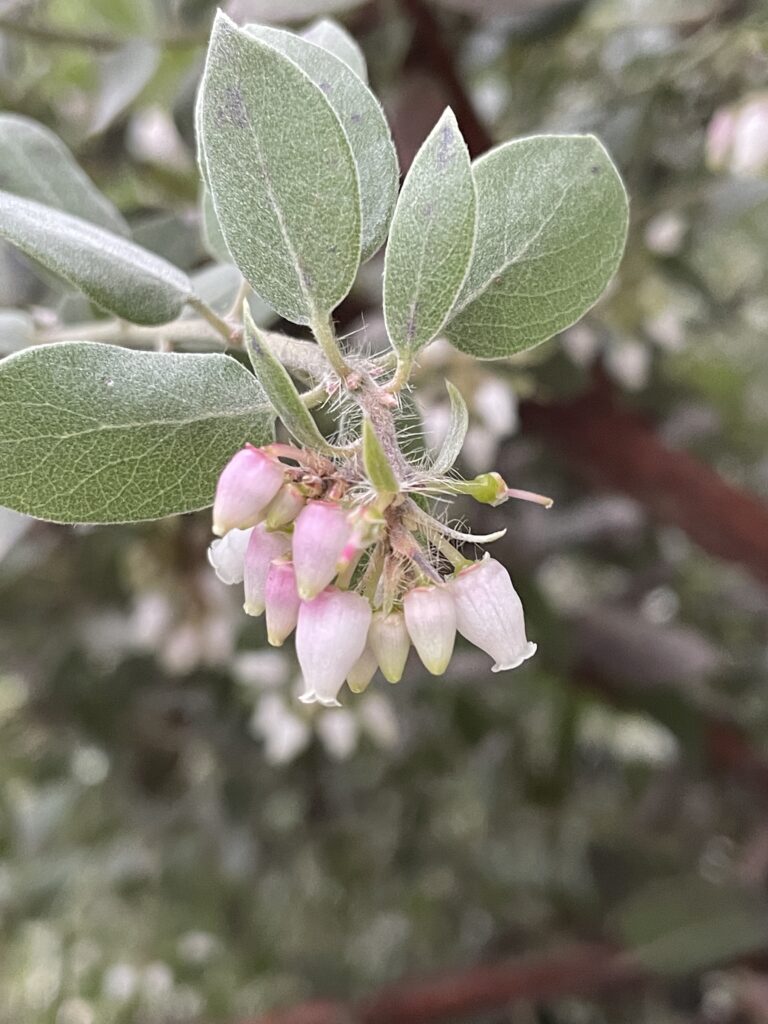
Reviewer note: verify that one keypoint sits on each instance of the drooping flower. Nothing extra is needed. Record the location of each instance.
(284, 507)
(227, 555)
(320, 535)
(388, 639)
(490, 615)
(248, 483)
(263, 548)
(282, 602)
(430, 617)
(362, 672)
(330, 638)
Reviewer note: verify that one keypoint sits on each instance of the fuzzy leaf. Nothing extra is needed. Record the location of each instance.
(35, 164)
(97, 434)
(334, 37)
(552, 223)
(363, 122)
(280, 389)
(281, 174)
(430, 245)
(377, 466)
(453, 441)
(116, 274)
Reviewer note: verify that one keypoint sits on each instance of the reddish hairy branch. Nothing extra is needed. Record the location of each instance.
(618, 449)
(576, 971)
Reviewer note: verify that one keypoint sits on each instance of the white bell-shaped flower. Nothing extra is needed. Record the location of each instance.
(227, 556)
(430, 617)
(388, 639)
(331, 636)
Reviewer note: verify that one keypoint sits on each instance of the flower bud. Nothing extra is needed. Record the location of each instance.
(284, 507)
(282, 600)
(247, 484)
(321, 533)
(263, 547)
(330, 638)
(362, 672)
(430, 617)
(388, 639)
(489, 613)
(227, 555)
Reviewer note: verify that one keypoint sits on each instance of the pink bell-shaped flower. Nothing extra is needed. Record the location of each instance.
(430, 617)
(284, 507)
(330, 638)
(263, 548)
(320, 535)
(388, 639)
(282, 601)
(247, 484)
(490, 615)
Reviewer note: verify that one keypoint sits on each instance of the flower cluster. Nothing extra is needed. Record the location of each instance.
(358, 580)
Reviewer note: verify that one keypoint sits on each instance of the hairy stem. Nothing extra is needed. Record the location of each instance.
(322, 328)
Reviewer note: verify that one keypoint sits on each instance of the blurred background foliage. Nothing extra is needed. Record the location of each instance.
(179, 839)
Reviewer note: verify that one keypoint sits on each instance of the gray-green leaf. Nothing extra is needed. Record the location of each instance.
(35, 164)
(432, 238)
(98, 434)
(552, 223)
(334, 37)
(377, 466)
(280, 389)
(116, 274)
(282, 175)
(363, 122)
(453, 441)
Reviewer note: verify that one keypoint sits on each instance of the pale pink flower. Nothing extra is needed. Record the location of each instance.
(247, 484)
(330, 638)
(388, 639)
(320, 535)
(284, 507)
(282, 602)
(263, 548)
(490, 615)
(430, 617)
(362, 672)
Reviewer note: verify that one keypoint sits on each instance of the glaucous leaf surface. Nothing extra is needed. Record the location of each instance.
(35, 164)
(116, 274)
(280, 389)
(378, 468)
(363, 122)
(98, 434)
(334, 37)
(453, 441)
(432, 238)
(281, 173)
(552, 223)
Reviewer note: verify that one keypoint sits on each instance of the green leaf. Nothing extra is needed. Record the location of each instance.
(363, 122)
(334, 37)
(213, 239)
(552, 223)
(282, 176)
(453, 441)
(116, 274)
(98, 434)
(35, 164)
(280, 389)
(686, 924)
(431, 241)
(378, 468)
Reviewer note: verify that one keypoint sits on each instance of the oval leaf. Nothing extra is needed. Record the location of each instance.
(453, 441)
(116, 274)
(98, 434)
(280, 389)
(552, 223)
(35, 164)
(281, 174)
(334, 37)
(363, 122)
(432, 238)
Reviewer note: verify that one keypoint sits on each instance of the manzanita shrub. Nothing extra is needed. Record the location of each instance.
(342, 538)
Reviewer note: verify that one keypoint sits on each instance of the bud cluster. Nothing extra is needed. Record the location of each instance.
(358, 580)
